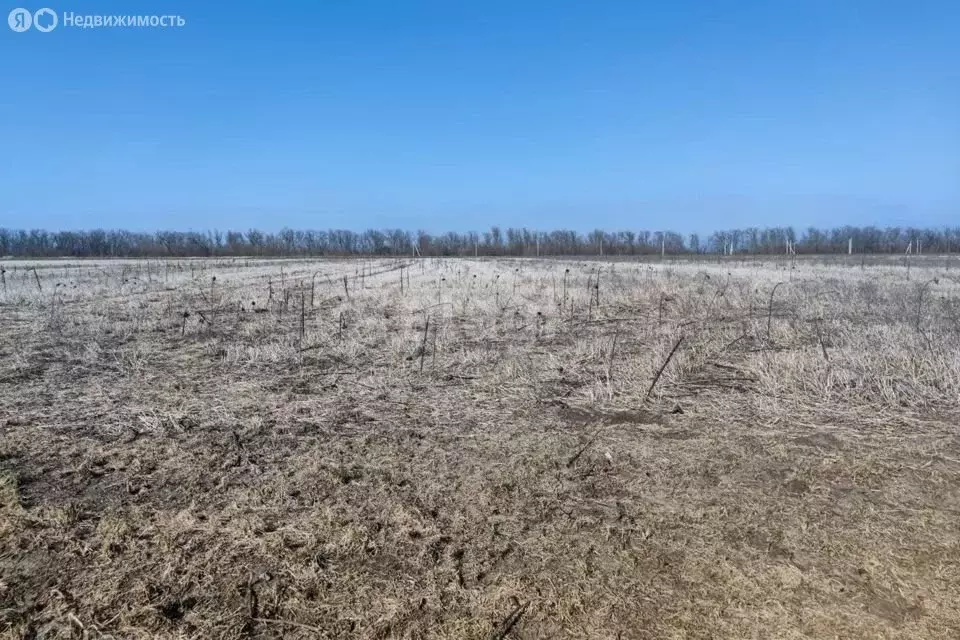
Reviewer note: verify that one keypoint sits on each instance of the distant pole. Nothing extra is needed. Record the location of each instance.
(663, 246)
(538, 244)
(476, 247)
(601, 245)
(850, 247)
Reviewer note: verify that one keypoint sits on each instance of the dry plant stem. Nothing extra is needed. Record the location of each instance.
(505, 627)
(613, 350)
(579, 452)
(596, 287)
(770, 307)
(920, 292)
(433, 350)
(823, 346)
(303, 316)
(423, 343)
(659, 373)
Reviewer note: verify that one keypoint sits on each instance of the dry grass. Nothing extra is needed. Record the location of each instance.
(480, 454)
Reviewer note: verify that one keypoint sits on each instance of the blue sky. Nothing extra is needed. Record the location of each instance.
(453, 115)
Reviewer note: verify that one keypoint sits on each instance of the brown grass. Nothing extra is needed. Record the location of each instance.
(477, 455)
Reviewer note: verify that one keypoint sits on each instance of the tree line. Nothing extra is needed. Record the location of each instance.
(118, 243)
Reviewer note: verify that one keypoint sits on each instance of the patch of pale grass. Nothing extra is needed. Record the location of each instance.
(215, 458)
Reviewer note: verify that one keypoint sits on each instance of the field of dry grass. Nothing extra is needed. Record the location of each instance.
(479, 449)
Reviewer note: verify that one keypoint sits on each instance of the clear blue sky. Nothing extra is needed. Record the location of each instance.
(455, 115)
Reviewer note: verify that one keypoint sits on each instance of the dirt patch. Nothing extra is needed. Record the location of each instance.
(820, 440)
(591, 415)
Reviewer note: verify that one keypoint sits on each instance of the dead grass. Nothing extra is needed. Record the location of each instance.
(226, 473)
